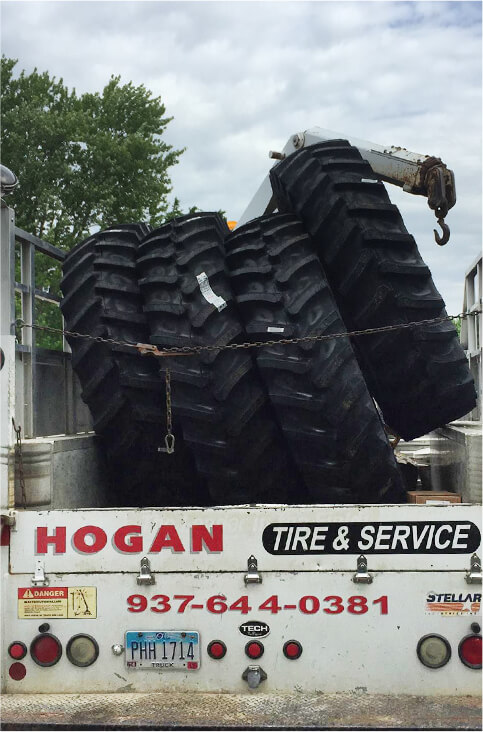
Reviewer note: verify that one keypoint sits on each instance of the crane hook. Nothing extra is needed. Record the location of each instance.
(442, 240)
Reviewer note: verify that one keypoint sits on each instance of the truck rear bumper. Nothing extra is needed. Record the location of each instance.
(239, 711)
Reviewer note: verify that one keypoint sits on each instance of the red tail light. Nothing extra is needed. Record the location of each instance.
(470, 651)
(292, 649)
(17, 650)
(17, 671)
(254, 649)
(216, 649)
(46, 649)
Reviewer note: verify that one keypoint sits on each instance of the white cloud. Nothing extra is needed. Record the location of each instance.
(240, 77)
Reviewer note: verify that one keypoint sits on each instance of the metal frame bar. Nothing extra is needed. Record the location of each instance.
(18, 376)
(472, 327)
(40, 245)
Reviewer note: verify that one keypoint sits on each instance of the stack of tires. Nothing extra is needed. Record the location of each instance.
(281, 422)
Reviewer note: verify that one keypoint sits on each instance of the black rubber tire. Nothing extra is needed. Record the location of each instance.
(327, 415)
(419, 376)
(217, 395)
(121, 388)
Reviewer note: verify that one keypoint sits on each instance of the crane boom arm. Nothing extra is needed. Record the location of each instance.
(422, 175)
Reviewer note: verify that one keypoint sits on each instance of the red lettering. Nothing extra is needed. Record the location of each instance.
(213, 540)
(79, 539)
(44, 539)
(125, 541)
(5, 536)
(167, 536)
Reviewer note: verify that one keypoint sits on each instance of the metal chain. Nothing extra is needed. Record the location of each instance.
(169, 438)
(147, 348)
(19, 462)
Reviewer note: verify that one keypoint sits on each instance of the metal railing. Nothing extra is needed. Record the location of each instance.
(47, 395)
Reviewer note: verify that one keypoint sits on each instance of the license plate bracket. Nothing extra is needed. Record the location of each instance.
(162, 650)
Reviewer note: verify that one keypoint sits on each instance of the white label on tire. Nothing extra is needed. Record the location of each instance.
(208, 294)
(271, 329)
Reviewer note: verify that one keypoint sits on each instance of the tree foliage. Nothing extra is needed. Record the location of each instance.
(83, 162)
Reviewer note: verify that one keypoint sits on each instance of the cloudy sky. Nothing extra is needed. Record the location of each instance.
(240, 77)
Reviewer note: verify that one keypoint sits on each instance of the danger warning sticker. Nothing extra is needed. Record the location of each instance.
(57, 602)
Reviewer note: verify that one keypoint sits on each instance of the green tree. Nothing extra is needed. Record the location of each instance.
(83, 162)
(457, 325)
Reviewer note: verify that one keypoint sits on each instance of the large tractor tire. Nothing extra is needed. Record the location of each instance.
(217, 394)
(419, 376)
(121, 388)
(327, 415)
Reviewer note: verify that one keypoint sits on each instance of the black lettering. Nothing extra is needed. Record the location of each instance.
(134, 647)
(431, 598)
(152, 650)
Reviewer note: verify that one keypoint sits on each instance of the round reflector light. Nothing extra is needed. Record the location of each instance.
(216, 649)
(254, 649)
(46, 649)
(292, 649)
(82, 650)
(17, 671)
(469, 651)
(17, 650)
(433, 650)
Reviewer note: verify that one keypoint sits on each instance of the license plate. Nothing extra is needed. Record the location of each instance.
(165, 650)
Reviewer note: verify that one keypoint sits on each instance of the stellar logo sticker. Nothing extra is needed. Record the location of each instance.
(57, 602)
(447, 603)
(254, 629)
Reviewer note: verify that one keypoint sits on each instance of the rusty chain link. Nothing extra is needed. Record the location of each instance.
(19, 462)
(148, 348)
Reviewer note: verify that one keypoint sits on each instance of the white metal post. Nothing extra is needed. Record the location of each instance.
(7, 344)
(27, 262)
